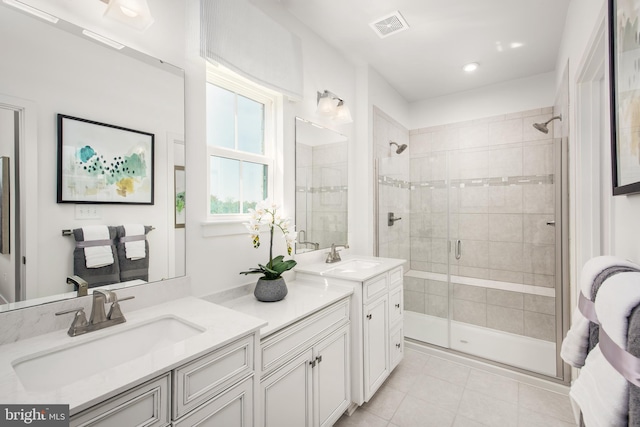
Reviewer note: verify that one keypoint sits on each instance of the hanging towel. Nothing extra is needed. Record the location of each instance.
(132, 269)
(576, 343)
(600, 390)
(97, 256)
(134, 249)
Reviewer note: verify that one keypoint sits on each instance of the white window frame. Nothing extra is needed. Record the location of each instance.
(269, 99)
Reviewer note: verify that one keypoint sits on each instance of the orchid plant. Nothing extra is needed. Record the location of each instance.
(266, 213)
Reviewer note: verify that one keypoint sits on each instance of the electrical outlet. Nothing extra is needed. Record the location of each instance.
(88, 212)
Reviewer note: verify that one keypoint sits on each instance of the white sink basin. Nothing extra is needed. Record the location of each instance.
(353, 266)
(61, 366)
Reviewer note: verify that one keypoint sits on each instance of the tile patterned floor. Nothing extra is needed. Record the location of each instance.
(427, 391)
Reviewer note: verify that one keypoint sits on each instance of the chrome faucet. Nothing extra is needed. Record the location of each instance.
(98, 320)
(333, 255)
(83, 285)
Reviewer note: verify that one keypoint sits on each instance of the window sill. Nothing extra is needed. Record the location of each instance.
(223, 228)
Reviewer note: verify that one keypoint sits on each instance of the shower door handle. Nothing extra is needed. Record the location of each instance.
(458, 249)
(551, 223)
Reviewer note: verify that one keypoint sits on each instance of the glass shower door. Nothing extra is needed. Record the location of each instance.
(426, 287)
(502, 213)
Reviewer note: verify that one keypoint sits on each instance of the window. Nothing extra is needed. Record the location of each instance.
(240, 146)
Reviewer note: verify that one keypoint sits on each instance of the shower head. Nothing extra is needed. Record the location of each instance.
(542, 127)
(400, 148)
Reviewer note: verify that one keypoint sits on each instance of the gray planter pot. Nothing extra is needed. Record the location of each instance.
(270, 290)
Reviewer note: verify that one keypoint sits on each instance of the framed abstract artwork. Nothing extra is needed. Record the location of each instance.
(179, 192)
(102, 163)
(624, 57)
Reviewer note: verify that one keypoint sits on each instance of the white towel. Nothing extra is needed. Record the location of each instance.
(97, 256)
(600, 391)
(136, 249)
(575, 345)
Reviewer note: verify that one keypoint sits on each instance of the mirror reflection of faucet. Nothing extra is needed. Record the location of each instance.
(391, 219)
(98, 320)
(79, 283)
(303, 238)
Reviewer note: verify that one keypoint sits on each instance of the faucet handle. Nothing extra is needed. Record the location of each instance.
(80, 319)
(114, 311)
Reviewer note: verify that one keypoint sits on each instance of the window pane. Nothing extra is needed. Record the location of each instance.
(254, 184)
(224, 186)
(250, 125)
(220, 117)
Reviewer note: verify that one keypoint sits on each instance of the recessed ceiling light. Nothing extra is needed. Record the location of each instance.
(516, 45)
(471, 67)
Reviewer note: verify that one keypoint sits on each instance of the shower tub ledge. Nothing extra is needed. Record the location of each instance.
(516, 350)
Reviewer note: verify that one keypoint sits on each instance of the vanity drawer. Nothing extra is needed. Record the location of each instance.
(373, 288)
(146, 405)
(395, 277)
(282, 345)
(233, 408)
(198, 381)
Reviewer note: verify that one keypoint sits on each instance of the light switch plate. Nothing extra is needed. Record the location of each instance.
(88, 212)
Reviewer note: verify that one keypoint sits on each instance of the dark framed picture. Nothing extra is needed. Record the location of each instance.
(624, 57)
(102, 163)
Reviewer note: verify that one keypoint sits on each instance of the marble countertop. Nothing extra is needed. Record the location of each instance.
(328, 270)
(303, 299)
(220, 326)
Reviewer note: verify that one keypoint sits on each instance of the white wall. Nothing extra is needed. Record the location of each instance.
(583, 19)
(515, 95)
(214, 263)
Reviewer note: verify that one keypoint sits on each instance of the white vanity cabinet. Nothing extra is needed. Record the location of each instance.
(216, 389)
(305, 377)
(377, 338)
(383, 341)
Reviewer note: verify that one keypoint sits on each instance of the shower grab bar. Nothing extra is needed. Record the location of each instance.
(458, 249)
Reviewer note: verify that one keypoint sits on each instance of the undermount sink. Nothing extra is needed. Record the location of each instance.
(353, 266)
(54, 368)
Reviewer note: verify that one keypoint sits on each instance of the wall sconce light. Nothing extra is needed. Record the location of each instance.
(134, 13)
(331, 105)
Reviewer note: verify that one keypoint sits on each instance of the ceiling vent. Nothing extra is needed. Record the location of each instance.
(389, 24)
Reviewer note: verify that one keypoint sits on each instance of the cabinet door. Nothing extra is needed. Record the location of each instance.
(332, 391)
(286, 394)
(396, 346)
(232, 408)
(376, 354)
(395, 306)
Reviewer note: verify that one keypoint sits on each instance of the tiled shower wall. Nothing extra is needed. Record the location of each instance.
(491, 184)
(393, 186)
(321, 202)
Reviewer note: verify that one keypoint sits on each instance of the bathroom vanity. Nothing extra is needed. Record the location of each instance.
(177, 363)
(304, 361)
(377, 339)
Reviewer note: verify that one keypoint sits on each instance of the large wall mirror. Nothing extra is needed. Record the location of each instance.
(50, 69)
(321, 186)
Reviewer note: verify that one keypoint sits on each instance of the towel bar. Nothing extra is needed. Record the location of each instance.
(69, 232)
